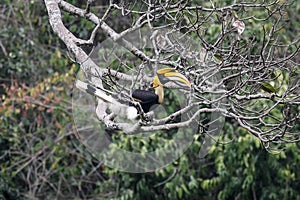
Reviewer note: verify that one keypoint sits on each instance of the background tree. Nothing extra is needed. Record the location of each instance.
(256, 65)
(40, 158)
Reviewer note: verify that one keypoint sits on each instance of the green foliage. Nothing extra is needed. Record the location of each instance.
(267, 87)
(246, 171)
(40, 158)
(25, 52)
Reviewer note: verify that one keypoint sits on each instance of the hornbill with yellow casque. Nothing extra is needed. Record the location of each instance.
(145, 98)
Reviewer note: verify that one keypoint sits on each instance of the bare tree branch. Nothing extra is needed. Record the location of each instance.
(240, 65)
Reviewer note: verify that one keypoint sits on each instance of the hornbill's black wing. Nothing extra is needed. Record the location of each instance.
(146, 98)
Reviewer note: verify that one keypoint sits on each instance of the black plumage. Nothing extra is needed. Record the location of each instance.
(147, 99)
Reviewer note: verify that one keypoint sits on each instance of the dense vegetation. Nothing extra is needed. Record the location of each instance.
(41, 158)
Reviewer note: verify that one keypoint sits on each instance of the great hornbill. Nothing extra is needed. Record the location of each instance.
(145, 98)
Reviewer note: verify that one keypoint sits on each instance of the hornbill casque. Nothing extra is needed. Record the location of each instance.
(145, 98)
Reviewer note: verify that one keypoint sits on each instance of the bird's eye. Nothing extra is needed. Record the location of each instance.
(153, 85)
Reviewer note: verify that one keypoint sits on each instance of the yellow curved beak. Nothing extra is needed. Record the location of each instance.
(166, 75)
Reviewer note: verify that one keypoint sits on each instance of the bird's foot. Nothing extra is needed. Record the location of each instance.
(147, 118)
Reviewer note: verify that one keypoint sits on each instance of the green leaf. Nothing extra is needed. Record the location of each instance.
(183, 186)
(73, 28)
(179, 192)
(267, 87)
(218, 59)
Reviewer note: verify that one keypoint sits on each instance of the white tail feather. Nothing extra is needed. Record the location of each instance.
(95, 91)
(117, 108)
